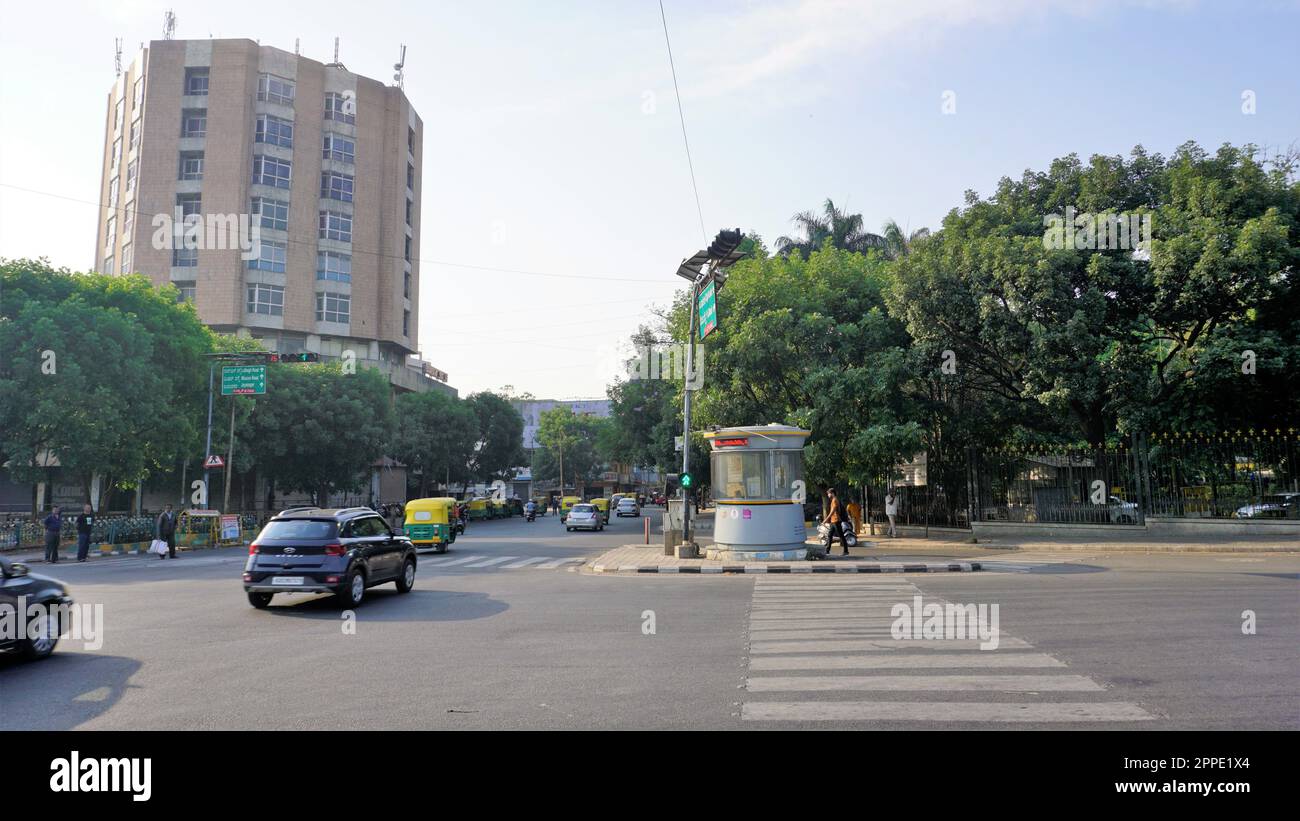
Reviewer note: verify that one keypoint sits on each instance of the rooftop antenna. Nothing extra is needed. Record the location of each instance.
(399, 68)
(336, 50)
(117, 55)
(169, 25)
(295, 46)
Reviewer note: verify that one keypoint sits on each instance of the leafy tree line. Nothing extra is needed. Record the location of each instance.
(107, 376)
(981, 334)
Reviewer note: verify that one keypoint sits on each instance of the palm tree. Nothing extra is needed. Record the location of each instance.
(898, 242)
(831, 227)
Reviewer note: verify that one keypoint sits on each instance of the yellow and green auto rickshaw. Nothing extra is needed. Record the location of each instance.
(602, 504)
(477, 509)
(566, 504)
(542, 504)
(431, 523)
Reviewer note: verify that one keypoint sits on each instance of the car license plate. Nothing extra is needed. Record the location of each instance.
(287, 580)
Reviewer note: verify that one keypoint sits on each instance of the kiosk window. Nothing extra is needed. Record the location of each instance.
(741, 475)
(787, 468)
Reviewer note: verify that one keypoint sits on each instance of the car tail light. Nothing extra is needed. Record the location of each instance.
(253, 548)
(331, 579)
(335, 549)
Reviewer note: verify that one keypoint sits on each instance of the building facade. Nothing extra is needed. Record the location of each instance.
(532, 409)
(279, 194)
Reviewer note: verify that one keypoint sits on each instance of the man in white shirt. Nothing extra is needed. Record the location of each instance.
(891, 510)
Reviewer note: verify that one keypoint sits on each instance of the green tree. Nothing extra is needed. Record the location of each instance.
(435, 436)
(832, 227)
(499, 445)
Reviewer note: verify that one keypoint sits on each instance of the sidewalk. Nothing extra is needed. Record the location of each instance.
(862, 559)
(68, 551)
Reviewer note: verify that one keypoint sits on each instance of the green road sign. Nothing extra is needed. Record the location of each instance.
(243, 379)
(707, 307)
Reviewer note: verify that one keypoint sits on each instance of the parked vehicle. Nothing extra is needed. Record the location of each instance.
(1274, 506)
(1122, 512)
(430, 523)
(627, 506)
(477, 508)
(824, 535)
(584, 517)
(17, 581)
(340, 551)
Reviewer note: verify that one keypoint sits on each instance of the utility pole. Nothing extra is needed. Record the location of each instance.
(207, 451)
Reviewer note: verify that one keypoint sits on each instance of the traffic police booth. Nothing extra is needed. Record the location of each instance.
(758, 491)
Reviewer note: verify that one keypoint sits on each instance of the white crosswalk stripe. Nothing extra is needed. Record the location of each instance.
(823, 650)
(481, 562)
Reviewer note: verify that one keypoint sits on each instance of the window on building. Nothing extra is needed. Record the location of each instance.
(331, 307)
(410, 139)
(408, 249)
(116, 159)
(119, 112)
(110, 233)
(128, 224)
(274, 131)
(128, 259)
(112, 193)
(334, 225)
(191, 205)
(187, 290)
(339, 148)
(406, 323)
(336, 186)
(185, 257)
(137, 96)
(406, 284)
(333, 266)
(271, 213)
(196, 82)
(271, 257)
(340, 107)
(408, 211)
(135, 135)
(194, 122)
(410, 176)
(271, 171)
(108, 265)
(131, 169)
(274, 89)
(191, 165)
(266, 299)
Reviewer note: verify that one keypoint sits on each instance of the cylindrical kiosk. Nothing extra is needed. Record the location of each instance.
(758, 490)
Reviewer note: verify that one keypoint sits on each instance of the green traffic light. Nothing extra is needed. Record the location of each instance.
(686, 480)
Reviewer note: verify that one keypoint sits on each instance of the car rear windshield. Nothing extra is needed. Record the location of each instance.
(583, 508)
(300, 529)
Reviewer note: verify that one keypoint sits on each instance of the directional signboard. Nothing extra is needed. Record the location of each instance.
(243, 379)
(707, 306)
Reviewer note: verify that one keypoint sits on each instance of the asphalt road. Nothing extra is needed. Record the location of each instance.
(521, 638)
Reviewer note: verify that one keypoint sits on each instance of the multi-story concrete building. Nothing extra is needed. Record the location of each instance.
(532, 409)
(281, 195)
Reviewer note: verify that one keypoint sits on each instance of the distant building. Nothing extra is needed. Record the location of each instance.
(532, 409)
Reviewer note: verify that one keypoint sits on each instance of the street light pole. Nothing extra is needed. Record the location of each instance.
(687, 541)
(207, 451)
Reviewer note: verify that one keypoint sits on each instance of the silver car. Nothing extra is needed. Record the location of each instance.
(584, 517)
(627, 507)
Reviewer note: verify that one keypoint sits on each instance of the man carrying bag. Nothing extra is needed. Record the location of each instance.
(166, 532)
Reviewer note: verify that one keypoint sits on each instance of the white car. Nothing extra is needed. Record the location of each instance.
(1122, 512)
(1273, 506)
(627, 507)
(584, 517)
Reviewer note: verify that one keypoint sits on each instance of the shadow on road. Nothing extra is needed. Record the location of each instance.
(386, 604)
(62, 691)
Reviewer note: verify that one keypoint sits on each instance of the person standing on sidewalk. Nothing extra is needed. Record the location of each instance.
(855, 515)
(835, 518)
(891, 510)
(166, 528)
(85, 524)
(53, 523)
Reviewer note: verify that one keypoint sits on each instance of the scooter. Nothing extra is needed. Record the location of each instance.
(824, 535)
(531, 515)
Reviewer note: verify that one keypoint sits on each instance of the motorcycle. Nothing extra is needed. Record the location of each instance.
(531, 515)
(824, 535)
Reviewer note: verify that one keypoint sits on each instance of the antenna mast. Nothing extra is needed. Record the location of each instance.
(169, 24)
(336, 50)
(399, 67)
(117, 55)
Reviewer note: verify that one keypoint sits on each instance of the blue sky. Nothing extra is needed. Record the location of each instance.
(553, 143)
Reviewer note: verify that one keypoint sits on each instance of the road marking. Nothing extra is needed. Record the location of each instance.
(551, 565)
(1030, 712)
(925, 683)
(526, 562)
(870, 645)
(450, 562)
(894, 661)
(490, 562)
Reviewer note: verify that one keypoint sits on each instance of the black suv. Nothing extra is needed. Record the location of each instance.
(313, 550)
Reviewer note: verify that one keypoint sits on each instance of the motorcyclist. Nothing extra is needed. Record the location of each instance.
(530, 510)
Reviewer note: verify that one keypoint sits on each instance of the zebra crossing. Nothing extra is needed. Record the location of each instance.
(487, 562)
(822, 650)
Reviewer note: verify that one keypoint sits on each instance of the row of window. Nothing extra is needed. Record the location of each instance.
(269, 300)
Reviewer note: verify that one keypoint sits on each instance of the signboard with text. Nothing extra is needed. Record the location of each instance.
(707, 307)
(243, 379)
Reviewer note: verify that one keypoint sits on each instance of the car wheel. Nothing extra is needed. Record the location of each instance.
(259, 600)
(407, 580)
(441, 549)
(569, 529)
(41, 647)
(354, 589)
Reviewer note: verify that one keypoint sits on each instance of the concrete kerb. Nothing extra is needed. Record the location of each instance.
(625, 561)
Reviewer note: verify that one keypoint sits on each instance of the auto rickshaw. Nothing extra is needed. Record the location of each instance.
(542, 504)
(602, 504)
(477, 508)
(514, 506)
(431, 522)
(566, 504)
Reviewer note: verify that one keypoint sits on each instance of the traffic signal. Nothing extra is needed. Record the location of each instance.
(686, 480)
(724, 243)
(293, 357)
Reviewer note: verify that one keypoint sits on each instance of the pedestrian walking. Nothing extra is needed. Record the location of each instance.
(835, 516)
(53, 523)
(166, 531)
(891, 510)
(85, 524)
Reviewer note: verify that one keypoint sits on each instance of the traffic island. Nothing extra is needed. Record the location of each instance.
(639, 559)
